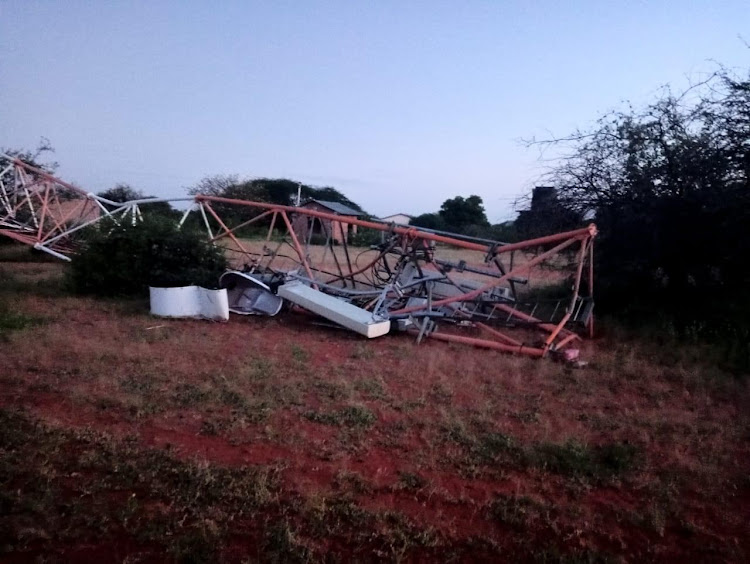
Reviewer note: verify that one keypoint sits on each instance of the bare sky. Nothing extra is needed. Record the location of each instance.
(400, 104)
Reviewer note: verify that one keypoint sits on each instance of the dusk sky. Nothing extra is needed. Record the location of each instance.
(398, 104)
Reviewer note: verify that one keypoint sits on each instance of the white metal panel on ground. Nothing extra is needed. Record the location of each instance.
(190, 301)
(350, 316)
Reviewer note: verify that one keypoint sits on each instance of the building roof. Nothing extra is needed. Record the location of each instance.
(395, 214)
(336, 207)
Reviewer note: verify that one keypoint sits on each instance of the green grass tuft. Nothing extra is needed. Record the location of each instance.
(350, 416)
(577, 459)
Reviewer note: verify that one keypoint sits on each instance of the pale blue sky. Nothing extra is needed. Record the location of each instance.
(400, 104)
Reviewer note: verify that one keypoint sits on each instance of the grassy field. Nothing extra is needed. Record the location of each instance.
(128, 438)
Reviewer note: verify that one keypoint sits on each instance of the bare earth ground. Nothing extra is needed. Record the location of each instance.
(125, 437)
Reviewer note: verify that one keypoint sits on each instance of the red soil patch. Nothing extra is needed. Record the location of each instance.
(691, 437)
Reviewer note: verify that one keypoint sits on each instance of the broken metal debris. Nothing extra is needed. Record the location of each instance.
(437, 285)
(335, 309)
(249, 295)
(39, 209)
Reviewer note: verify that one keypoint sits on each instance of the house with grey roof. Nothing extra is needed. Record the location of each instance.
(305, 226)
(397, 218)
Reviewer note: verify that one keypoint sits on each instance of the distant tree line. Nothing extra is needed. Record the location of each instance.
(280, 191)
(125, 193)
(268, 190)
(465, 216)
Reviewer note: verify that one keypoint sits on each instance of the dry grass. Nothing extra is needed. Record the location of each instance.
(151, 433)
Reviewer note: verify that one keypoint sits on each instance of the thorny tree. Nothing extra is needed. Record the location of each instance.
(669, 187)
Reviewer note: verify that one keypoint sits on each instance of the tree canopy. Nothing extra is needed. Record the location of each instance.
(459, 212)
(121, 193)
(125, 193)
(669, 187)
(545, 215)
(458, 215)
(281, 191)
(33, 158)
(429, 221)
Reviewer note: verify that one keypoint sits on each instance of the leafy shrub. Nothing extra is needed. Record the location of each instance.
(125, 259)
(11, 320)
(319, 239)
(366, 237)
(351, 416)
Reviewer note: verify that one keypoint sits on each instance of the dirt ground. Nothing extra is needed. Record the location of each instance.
(129, 438)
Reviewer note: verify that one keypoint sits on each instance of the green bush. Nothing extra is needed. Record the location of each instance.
(126, 259)
(366, 237)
